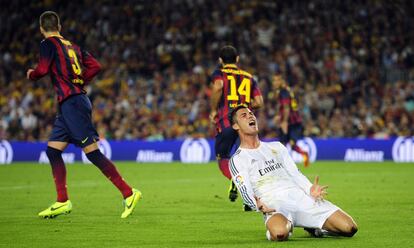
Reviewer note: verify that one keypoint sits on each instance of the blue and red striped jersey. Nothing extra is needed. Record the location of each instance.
(70, 67)
(286, 97)
(239, 87)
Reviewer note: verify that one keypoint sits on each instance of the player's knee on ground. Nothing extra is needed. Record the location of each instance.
(278, 227)
(278, 234)
(341, 223)
(350, 229)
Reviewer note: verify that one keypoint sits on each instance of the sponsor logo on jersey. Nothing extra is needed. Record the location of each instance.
(154, 156)
(306, 144)
(271, 165)
(403, 150)
(195, 151)
(6, 152)
(104, 147)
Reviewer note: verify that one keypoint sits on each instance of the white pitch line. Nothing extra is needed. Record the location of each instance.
(84, 184)
(88, 184)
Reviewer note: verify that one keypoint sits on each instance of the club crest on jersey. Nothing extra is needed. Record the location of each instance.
(239, 180)
(274, 152)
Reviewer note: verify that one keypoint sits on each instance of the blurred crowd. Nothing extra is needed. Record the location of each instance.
(351, 64)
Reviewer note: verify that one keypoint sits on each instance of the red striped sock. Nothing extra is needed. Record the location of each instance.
(112, 174)
(110, 171)
(297, 149)
(59, 173)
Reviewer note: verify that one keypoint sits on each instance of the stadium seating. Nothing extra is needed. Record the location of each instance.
(351, 65)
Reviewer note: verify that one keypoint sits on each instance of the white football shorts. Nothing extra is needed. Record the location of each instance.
(299, 208)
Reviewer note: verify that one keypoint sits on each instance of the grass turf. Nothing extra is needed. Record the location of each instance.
(186, 206)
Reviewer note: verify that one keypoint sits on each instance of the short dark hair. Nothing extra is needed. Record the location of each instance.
(49, 21)
(228, 54)
(234, 111)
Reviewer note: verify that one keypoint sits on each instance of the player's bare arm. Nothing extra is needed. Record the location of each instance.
(216, 92)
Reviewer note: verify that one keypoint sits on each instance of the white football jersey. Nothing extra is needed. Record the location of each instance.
(265, 171)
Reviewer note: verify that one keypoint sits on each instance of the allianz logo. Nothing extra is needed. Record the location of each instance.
(195, 151)
(361, 155)
(153, 156)
(6, 152)
(403, 149)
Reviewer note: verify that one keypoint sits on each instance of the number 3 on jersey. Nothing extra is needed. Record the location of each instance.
(75, 65)
(243, 90)
(71, 53)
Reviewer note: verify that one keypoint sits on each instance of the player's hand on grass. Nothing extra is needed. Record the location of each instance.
(28, 73)
(213, 115)
(262, 207)
(317, 191)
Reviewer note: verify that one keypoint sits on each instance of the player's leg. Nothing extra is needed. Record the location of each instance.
(323, 218)
(54, 153)
(77, 114)
(107, 168)
(223, 145)
(131, 196)
(340, 223)
(56, 145)
(278, 227)
(294, 134)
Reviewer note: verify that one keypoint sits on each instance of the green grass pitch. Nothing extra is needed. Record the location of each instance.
(186, 205)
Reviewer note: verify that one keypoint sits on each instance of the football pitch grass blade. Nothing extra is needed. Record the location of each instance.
(187, 206)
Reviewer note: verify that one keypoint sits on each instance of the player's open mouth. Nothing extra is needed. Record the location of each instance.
(252, 123)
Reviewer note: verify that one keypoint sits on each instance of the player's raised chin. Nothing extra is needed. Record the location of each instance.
(245, 122)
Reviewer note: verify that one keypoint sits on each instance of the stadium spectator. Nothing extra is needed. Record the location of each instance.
(354, 61)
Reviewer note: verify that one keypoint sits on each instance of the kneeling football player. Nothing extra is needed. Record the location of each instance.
(269, 181)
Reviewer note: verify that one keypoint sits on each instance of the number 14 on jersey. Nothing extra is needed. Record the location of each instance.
(242, 90)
